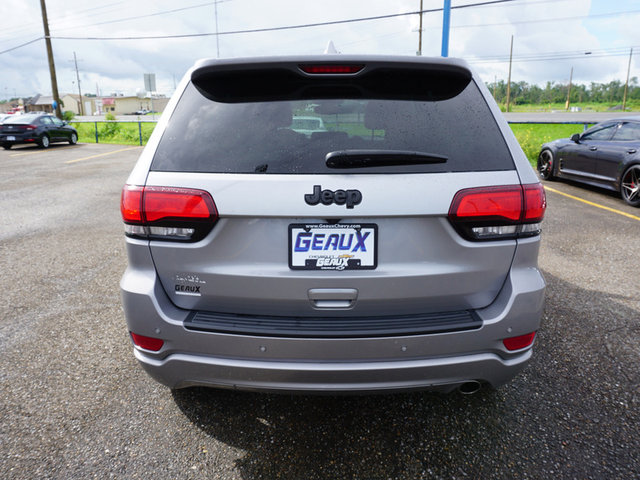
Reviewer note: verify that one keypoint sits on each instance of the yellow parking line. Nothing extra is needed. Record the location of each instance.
(549, 189)
(100, 155)
(24, 153)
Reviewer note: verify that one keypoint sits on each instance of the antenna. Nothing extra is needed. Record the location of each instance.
(331, 48)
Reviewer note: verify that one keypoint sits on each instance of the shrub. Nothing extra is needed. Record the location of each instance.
(108, 130)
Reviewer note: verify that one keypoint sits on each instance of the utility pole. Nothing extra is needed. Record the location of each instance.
(509, 79)
(75, 61)
(626, 85)
(52, 67)
(420, 32)
(217, 36)
(568, 103)
(446, 18)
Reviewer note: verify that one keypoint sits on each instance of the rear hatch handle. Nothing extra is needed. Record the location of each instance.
(333, 297)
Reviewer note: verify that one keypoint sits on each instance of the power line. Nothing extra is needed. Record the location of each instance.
(544, 20)
(22, 45)
(10, 31)
(287, 27)
(482, 4)
(563, 55)
(80, 13)
(55, 22)
(336, 22)
(138, 17)
(548, 59)
(497, 59)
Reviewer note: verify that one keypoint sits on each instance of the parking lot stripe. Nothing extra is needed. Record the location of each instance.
(619, 212)
(100, 155)
(25, 153)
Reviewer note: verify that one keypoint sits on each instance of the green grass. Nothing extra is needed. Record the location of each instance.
(631, 106)
(352, 128)
(114, 132)
(532, 136)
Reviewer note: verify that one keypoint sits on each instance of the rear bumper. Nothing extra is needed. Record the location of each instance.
(18, 139)
(438, 361)
(443, 374)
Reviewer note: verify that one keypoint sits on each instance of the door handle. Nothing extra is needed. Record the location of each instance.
(632, 150)
(593, 149)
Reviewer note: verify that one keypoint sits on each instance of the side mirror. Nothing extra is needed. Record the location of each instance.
(575, 137)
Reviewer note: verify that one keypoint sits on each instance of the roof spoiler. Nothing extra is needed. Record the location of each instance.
(330, 76)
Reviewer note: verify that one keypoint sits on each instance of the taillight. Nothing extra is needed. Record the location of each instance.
(501, 212)
(131, 204)
(30, 127)
(535, 202)
(519, 342)
(148, 343)
(167, 213)
(330, 69)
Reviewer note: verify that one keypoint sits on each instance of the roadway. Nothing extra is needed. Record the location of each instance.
(566, 117)
(75, 404)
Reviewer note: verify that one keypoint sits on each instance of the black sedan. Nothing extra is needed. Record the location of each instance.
(41, 129)
(607, 155)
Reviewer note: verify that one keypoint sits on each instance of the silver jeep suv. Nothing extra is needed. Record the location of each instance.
(394, 249)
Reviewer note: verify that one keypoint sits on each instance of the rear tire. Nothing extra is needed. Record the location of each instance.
(630, 185)
(44, 141)
(546, 163)
(6, 146)
(73, 139)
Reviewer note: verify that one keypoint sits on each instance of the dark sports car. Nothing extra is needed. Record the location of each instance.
(37, 128)
(607, 155)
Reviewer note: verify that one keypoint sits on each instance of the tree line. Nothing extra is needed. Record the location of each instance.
(524, 93)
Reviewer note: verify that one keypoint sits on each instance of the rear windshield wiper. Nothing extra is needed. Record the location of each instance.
(380, 158)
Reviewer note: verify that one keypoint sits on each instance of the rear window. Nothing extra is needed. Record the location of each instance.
(22, 119)
(295, 135)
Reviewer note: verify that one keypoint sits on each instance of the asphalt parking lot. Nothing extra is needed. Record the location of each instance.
(75, 404)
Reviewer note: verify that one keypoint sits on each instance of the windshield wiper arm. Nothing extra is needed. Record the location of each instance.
(380, 158)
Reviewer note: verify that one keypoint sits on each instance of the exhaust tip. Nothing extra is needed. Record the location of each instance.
(469, 388)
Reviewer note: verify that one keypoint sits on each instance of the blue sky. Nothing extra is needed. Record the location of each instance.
(550, 37)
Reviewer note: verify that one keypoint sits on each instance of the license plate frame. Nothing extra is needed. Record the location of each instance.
(10, 138)
(334, 247)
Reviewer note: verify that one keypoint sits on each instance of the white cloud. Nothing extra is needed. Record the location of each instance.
(119, 65)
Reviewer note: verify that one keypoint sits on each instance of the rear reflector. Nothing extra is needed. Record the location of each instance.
(148, 343)
(520, 342)
(331, 69)
(167, 213)
(501, 212)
